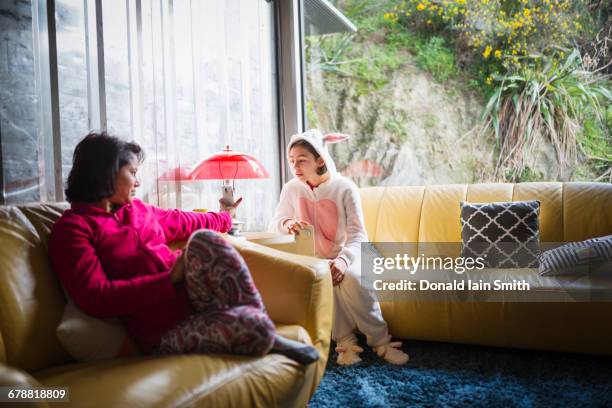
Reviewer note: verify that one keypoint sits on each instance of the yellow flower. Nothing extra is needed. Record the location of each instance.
(487, 51)
(498, 54)
(527, 12)
(489, 80)
(420, 7)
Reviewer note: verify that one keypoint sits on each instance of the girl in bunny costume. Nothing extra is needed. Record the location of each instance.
(318, 195)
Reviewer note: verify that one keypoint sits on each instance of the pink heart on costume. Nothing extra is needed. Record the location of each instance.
(323, 215)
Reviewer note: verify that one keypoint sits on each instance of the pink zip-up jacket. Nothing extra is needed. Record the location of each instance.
(118, 264)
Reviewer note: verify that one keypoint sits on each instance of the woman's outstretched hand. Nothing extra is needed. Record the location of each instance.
(338, 268)
(294, 226)
(229, 207)
(177, 273)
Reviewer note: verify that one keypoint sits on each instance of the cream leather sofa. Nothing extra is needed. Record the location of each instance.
(297, 293)
(569, 212)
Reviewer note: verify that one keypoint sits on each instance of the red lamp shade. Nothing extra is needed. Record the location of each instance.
(229, 165)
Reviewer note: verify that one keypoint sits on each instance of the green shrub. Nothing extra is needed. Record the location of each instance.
(557, 102)
(498, 30)
(437, 58)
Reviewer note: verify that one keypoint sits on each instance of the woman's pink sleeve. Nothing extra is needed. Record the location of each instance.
(178, 225)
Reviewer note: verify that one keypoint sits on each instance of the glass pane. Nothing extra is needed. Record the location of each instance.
(19, 107)
(236, 97)
(154, 115)
(331, 101)
(406, 128)
(412, 86)
(72, 77)
(116, 68)
(184, 153)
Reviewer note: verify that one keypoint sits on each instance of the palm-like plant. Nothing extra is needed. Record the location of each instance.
(548, 102)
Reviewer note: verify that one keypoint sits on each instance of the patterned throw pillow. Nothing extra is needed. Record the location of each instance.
(505, 235)
(592, 256)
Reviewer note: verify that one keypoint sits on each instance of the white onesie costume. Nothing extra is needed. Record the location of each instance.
(334, 209)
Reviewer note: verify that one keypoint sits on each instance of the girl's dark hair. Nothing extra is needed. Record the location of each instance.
(302, 143)
(95, 163)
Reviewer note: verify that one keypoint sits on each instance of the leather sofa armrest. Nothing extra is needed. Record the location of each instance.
(13, 377)
(296, 289)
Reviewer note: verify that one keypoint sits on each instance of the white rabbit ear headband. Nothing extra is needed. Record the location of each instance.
(334, 138)
(316, 138)
(319, 143)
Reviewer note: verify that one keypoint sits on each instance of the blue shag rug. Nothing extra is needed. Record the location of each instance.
(454, 375)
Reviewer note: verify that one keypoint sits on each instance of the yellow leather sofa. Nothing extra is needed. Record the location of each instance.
(569, 212)
(297, 293)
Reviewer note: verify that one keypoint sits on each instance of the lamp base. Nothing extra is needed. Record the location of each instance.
(236, 228)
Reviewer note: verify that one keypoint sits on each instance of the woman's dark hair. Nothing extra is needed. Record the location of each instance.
(302, 143)
(95, 163)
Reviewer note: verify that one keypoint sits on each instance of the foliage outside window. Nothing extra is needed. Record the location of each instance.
(466, 91)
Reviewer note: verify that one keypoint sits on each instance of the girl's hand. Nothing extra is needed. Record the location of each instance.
(294, 226)
(338, 268)
(177, 273)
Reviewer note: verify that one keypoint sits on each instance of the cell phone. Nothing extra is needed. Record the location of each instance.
(228, 195)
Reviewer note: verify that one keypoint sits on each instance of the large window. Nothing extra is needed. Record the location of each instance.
(460, 92)
(183, 79)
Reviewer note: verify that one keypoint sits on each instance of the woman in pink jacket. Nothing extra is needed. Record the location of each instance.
(111, 253)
